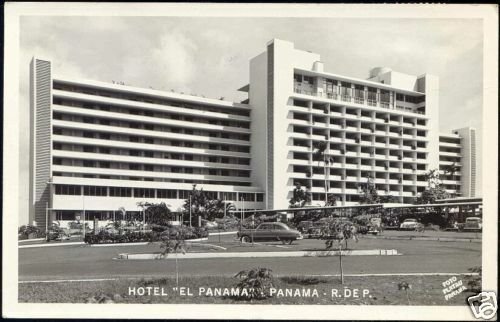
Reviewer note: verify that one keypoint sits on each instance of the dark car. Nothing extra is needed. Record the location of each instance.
(317, 229)
(305, 225)
(270, 231)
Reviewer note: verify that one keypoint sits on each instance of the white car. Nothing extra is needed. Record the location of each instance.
(409, 224)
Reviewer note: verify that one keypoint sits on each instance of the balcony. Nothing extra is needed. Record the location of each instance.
(299, 122)
(379, 180)
(300, 135)
(408, 136)
(346, 98)
(366, 167)
(336, 114)
(351, 166)
(365, 130)
(336, 139)
(298, 148)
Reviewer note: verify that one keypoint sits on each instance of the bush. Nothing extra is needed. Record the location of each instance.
(27, 231)
(257, 281)
(106, 237)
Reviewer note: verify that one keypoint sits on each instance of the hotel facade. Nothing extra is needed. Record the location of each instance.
(99, 147)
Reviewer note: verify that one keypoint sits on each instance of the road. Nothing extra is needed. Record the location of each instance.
(83, 262)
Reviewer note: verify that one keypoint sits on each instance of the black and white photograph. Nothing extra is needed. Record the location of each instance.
(249, 161)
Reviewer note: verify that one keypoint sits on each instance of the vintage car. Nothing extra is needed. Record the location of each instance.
(304, 225)
(473, 224)
(410, 224)
(270, 231)
(375, 226)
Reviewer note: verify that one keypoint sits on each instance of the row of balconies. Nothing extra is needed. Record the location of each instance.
(351, 99)
(395, 193)
(145, 174)
(144, 146)
(144, 160)
(357, 117)
(200, 110)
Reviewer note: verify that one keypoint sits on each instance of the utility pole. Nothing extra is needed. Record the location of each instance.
(83, 203)
(190, 208)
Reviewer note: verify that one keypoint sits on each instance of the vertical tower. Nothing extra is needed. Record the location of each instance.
(468, 142)
(40, 139)
(275, 69)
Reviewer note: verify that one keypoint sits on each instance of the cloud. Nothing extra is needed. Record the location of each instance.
(174, 59)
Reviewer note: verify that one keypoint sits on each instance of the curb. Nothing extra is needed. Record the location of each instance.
(368, 252)
(444, 239)
(100, 245)
(30, 240)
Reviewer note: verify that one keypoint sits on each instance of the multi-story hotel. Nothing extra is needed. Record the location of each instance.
(457, 162)
(98, 147)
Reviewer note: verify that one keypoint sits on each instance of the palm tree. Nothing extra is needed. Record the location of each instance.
(451, 170)
(320, 155)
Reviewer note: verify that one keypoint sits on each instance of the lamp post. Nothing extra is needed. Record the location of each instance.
(190, 209)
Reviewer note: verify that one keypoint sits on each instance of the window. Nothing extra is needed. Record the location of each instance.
(184, 194)
(95, 191)
(88, 164)
(166, 194)
(68, 190)
(260, 197)
(144, 193)
(120, 192)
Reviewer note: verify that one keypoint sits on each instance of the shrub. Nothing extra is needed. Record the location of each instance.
(106, 237)
(474, 283)
(25, 231)
(257, 281)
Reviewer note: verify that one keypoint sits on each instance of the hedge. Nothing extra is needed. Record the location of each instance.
(105, 237)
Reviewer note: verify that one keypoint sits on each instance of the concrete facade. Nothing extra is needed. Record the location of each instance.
(99, 147)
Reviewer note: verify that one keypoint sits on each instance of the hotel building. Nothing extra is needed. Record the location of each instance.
(98, 147)
(457, 162)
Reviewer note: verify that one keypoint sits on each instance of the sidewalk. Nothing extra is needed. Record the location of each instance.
(323, 253)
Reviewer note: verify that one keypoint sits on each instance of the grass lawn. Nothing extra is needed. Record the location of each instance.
(425, 290)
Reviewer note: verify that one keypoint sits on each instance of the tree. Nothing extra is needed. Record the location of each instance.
(173, 240)
(434, 190)
(202, 204)
(451, 170)
(320, 155)
(300, 197)
(156, 213)
(369, 194)
(387, 199)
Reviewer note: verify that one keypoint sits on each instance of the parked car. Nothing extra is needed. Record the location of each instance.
(410, 224)
(473, 224)
(375, 226)
(270, 231)
(316, 230)
(209, 224)
(305, 225)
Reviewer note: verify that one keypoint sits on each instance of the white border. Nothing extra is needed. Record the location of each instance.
(489, 14)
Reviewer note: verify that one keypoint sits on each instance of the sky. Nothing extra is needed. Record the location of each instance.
(210, 56)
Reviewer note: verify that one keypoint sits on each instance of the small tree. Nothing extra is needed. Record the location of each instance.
(173, 240)
(320, 155)
(369, 194)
